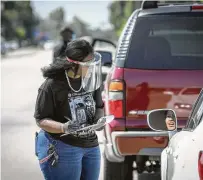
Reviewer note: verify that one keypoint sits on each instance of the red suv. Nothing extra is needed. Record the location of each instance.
(159, 53)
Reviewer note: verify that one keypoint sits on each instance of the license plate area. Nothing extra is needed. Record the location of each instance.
(154, 158)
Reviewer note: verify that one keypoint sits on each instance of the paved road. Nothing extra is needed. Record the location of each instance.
(21, 78)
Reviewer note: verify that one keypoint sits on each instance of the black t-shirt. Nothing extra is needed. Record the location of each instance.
(57, 101)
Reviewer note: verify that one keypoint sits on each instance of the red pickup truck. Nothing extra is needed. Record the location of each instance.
(159, 53)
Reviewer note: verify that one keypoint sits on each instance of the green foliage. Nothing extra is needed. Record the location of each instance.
(57, 15)
(20, 31)
(55, 21)
(80, 27)
(128, 8)
(120, 11)
(11, 15)
(18, 19)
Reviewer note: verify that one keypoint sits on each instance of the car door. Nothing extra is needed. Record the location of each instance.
(187, 166)
(102, 45)
(182, 144)
(98, 43)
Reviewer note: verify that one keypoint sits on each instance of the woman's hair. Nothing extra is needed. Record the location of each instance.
(76, 50)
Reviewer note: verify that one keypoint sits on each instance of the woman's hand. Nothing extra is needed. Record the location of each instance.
(70, 127)
(101, 121)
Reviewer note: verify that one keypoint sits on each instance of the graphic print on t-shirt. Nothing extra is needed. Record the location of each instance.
(82, 109)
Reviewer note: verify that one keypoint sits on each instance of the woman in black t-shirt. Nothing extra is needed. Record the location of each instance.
(64, 104)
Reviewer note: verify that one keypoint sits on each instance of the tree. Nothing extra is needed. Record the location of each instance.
(9, 17)
(18, 20)
(120, 11)
(80, 27)
(20, 33)
(26, 18)
(57, 16)
(114, 15)
(54, 22)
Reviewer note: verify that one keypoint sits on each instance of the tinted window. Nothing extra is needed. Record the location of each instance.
(104, 46)
(106, 57)
(167, 42)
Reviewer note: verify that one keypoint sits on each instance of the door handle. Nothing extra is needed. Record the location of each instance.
(175, 155)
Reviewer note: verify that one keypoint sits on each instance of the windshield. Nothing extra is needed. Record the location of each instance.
(167, 42)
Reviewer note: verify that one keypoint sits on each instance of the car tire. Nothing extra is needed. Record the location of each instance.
(140, 161)
(117, 171)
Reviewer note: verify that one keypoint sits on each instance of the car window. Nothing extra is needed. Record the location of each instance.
(199, 114)
(106, 57)
(196, 115)
(167, 41)
(105, 46)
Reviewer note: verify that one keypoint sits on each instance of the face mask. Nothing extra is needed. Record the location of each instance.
(91, 74)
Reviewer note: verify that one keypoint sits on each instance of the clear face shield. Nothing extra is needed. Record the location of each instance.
(91, 73)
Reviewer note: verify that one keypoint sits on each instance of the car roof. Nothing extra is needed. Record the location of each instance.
(170, 8)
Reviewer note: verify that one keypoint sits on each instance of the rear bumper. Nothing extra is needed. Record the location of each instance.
(113, 151)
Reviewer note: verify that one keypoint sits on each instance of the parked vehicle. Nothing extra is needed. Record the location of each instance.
(160, 49)
(12, 45)
(48, 45)
(3, 47)
(183, 156)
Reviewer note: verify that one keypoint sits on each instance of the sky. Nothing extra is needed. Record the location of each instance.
(94, 13)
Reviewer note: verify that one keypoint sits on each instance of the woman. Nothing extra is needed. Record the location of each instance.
(170, 121)
(70, 98)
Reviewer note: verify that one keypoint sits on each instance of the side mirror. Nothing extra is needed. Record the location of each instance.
(106, 58)
(162, 120)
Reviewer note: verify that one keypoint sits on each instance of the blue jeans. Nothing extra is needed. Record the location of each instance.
(74, 163)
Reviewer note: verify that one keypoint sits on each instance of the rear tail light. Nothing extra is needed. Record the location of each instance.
(197, 7)
(200, 165)
(116, 98)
